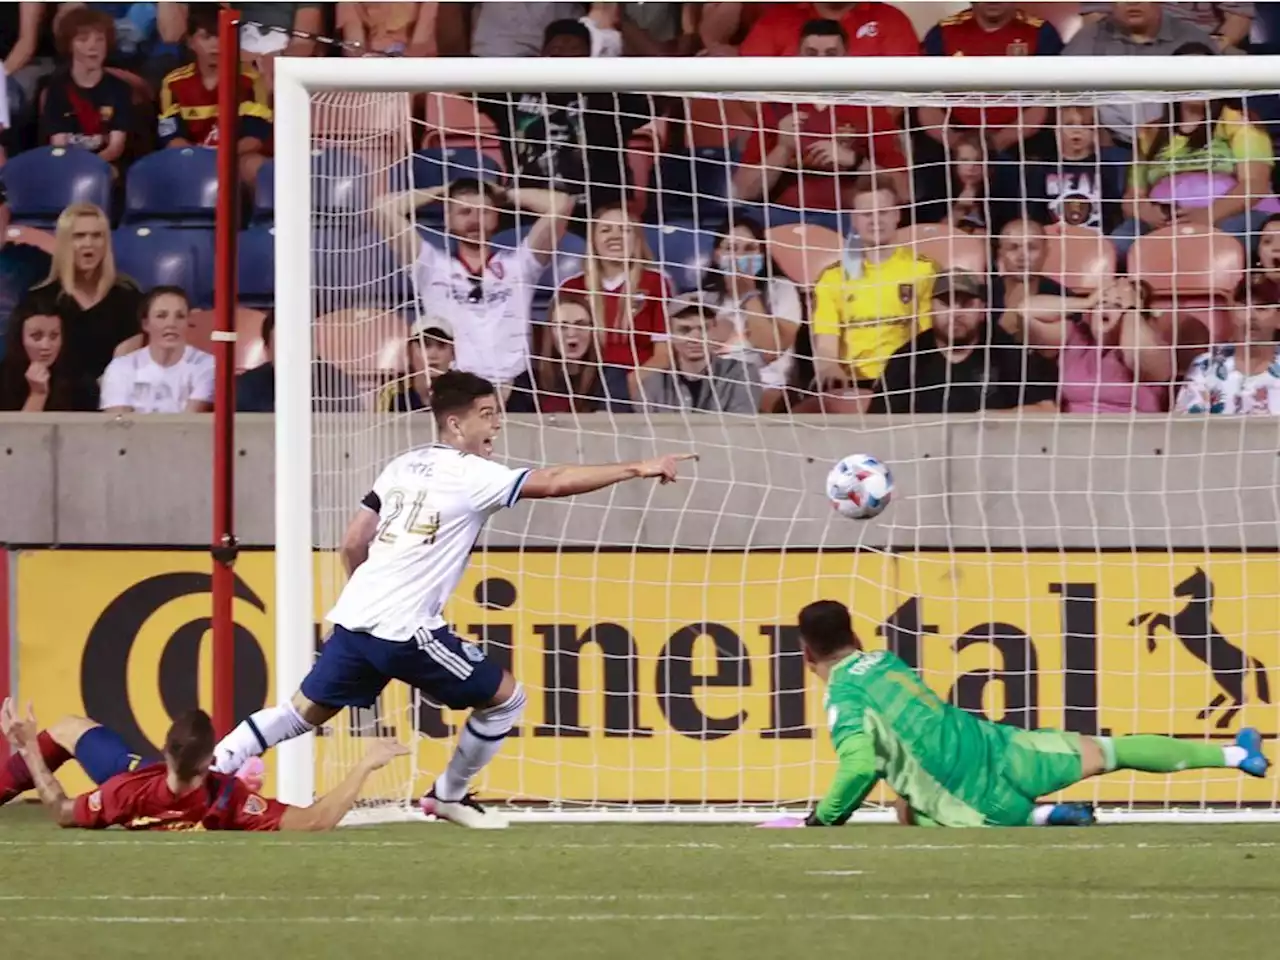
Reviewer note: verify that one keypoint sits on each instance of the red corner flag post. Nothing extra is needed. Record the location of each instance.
(224, 547)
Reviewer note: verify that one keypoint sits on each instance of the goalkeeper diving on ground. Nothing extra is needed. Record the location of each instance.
(952, 769)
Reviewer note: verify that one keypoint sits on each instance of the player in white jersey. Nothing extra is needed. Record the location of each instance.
(406, 548)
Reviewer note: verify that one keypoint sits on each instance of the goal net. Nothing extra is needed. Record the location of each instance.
(1051, 312)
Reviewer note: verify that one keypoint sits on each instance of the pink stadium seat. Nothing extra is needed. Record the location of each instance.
(250, 351)
(803, 251)
(950, 249)
(1080, 258)
(368, 345)
(452, 121)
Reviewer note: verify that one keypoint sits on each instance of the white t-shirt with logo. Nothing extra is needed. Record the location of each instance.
(136, 380)
(491, 312)
(432, 504)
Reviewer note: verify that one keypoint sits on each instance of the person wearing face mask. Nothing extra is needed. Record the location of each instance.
(760, 310)
(34, 376)
(1242, 377)
(167, 375)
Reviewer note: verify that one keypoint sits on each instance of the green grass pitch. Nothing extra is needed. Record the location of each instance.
(644, 892)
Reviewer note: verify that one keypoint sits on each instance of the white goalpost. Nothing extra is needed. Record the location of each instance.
(1107, 573)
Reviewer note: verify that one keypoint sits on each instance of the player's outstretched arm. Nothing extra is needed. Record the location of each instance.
(327, 812)
(855, 777)
(571, 479)
(21, 735)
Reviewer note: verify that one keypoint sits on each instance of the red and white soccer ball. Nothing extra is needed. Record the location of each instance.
(859, 487)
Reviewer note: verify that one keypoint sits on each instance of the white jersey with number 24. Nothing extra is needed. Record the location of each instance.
(431, 504)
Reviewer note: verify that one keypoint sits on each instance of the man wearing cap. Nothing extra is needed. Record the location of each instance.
(429, 353)
(963, 364)
(701, 379)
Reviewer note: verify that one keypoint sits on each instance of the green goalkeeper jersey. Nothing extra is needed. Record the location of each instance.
(951, 767)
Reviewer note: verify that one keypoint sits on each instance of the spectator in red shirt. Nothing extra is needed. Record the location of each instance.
(179, 793)
(807, 155)
(189, 99)
(628, 298)
(989, 30)
(871, 29)
(84, 105)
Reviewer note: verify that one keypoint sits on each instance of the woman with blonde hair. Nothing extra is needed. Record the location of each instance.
(624, 290)
(98, 306)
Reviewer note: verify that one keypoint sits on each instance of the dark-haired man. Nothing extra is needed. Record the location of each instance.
(406, 549)
(179, 792)
(485, 293)
(952, 769)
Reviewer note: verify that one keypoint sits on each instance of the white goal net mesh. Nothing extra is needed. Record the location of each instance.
(1053, 316)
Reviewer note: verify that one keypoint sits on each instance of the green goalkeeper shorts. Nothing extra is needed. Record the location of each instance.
(1034, 764)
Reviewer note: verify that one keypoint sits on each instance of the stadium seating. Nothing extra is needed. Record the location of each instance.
(950, 249)
(1080, 258)
(804, 251)
(568, 261)
(695, 186)
(256, 279)
(682, 250)
(342, 338)
(155, 256)
(436, 166)
(359, 263)
(1193, 275)
(41, 183)
(264, 193)
(173, 188)
(339, 184)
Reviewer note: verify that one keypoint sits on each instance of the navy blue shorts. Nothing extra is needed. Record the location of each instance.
(103, 754)
(353, 668)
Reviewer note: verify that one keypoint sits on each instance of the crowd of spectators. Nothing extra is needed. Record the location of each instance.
(926, 257)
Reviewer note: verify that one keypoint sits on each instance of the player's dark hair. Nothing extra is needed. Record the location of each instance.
(454, 391)
(464, 186)
(202, 16)
(827, 628)
(824, 28)
(188, 746)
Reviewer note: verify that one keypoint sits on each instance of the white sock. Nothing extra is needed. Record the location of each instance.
(1040, 815)
(1233, 756)
(481, 738)
(252, 737)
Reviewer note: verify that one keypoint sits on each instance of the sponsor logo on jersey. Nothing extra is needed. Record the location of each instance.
(906, 292)
(472, 652)
(95, 801)
(869, 29)
(255, 806)
(1018, 48)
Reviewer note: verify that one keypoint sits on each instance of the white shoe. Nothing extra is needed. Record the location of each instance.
(466, 812)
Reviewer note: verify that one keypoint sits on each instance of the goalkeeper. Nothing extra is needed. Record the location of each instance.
(952, 769)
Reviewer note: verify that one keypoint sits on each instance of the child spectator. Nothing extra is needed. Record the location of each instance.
(698, 380)
(34, 376)
(627, 296)
(807, 155)
(147, 36)
(85, 106)
(189, 99)
(1241, 377)
(167, 375)
(567, 375)
(962, 364)
(1075, 185)
(956, 194)
(1267, 261)
(759, 306)
(1203, 163)
(429, 352)
(1110, 356)
(99, 308)
(388, 29)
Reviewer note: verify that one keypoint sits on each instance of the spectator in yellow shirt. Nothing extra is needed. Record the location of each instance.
(873, 302)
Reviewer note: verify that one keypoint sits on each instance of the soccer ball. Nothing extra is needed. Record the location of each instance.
(859, 487)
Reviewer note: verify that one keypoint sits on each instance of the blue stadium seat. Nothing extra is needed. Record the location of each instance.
(155, 256)
(339, 184)
(356, 269)
(41, 183)
(256, 270)
(174, 188)
(440, 165)
(773, 215)
(568, 261)
(264, 194)
(696, 186)
(683, 251)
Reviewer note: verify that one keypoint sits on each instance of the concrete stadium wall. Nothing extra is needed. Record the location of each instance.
(1032, 481)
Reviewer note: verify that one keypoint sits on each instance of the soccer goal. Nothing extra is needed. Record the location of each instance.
(1099, 572)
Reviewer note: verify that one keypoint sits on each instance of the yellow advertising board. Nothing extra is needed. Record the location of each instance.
(678, 677)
